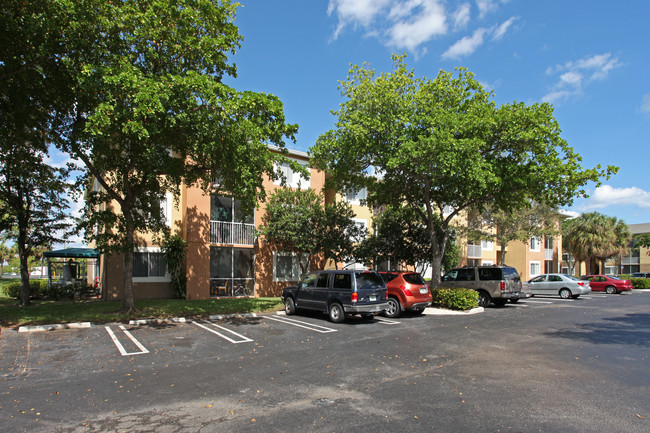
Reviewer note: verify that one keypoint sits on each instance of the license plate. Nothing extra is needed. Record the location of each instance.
(372, 298)
(424, 291)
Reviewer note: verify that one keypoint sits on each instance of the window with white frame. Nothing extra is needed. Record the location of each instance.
(487, 263)
(293, 179)
(356, 196)
(487, 245)
(535, 244)
(286, 267)
(535, 268)
(362, 224)
(149, 264)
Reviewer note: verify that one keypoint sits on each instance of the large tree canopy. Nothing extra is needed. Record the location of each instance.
(149, 110)
(442, 147)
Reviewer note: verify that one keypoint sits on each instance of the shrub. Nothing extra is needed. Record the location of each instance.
(36, 289)
(455, 299)
(640, 283)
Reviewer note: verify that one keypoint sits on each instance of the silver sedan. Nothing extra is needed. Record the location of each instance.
(561, 285)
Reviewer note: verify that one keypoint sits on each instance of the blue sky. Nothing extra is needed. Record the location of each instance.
(590, 59)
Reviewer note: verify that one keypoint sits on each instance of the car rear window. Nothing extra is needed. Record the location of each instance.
(342, 281)
(511, 274)
(489, 274)
(389, 276)
(366, 280)
(414, 279)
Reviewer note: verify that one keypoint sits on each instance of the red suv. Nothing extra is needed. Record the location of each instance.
(407, 291)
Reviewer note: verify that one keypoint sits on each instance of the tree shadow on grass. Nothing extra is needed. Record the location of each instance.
(632, 329)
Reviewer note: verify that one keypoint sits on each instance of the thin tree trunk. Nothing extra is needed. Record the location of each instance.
(128, 304)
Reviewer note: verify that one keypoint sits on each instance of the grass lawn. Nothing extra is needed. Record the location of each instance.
(53, 312)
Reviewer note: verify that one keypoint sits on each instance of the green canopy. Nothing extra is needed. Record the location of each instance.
(75, 253)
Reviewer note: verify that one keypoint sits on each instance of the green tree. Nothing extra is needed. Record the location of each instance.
(593, 238)
(442, 146)
(34, 213)
(297, 221)
(151, 112)
(535, 220)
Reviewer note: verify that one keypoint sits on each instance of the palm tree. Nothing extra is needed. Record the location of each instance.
(594, 237)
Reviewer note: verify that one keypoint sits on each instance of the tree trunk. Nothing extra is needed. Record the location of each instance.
(128, 304)
(503, 254)
(23, 256)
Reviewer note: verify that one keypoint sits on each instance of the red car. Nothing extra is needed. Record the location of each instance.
(607, 283)
(407, 291)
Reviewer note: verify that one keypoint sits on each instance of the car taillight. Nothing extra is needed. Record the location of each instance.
(406, 291)
(502, 285)
(581, 283)
(355, 297)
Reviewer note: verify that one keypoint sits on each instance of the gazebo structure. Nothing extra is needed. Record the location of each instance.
(71, 271)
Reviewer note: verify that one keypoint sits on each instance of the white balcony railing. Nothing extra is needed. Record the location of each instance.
(630, 260)
(231, 233)
(548, 254)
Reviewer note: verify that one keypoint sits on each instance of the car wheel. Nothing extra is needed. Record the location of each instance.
(337, 315)
(483, 298)
(499, 302)
(565, 293)
(394, 308)
(610, 289)
(289, 306)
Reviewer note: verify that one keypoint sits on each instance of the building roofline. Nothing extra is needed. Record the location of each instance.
(290, 151)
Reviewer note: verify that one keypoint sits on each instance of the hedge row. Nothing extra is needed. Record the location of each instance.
(38, 289)
(455, 299)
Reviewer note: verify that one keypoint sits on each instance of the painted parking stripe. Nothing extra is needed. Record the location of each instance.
(121, 348)
(384, 321)
(538, 302)
(298, 323)
(242, 338)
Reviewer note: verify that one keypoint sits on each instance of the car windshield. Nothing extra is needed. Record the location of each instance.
(571, 277)
(414, 279)
(613, 277)
(367, 280)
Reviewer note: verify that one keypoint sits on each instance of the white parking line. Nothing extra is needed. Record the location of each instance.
(243, 338)
(310, 326)
(386, 321)
(537, 302)
(131, 337)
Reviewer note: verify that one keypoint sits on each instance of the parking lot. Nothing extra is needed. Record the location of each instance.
(543, 364)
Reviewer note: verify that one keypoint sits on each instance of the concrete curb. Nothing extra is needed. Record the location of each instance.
(42, 328)
(445, 312)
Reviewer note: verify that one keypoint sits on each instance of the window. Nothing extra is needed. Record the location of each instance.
(356, 196)
(535, 244)
(342, 281)
(534, 268)
(548, 243)
(487, 245)
(362, 225)
(286, 266)
(548, 266)
(293, 179)
(149, 263)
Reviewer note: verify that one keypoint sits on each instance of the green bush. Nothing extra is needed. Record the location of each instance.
(36, 289)
(640, 283)
(455, 299)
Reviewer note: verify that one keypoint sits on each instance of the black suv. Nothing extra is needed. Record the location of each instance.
(338, 293)
(496, 284)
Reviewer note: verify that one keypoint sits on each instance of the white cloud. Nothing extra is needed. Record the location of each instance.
(355, 12)
(503, 28)
(460, 17)
(414, 29)
(466, 45)
(607, 195)
(645, 103)
(571, 80)
(487, 6)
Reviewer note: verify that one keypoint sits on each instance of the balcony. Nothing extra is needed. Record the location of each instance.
(548, 254)
(630, 260)
(232, 233)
